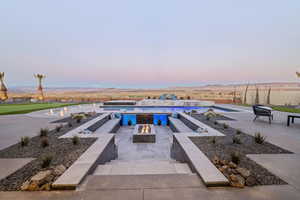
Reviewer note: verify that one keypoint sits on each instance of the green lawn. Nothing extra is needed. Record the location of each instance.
(9, 109)
(286, 109)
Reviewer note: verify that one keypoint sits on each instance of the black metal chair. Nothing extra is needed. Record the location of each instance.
(259, 111)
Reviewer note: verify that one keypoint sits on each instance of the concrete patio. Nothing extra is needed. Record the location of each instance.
(283, 165)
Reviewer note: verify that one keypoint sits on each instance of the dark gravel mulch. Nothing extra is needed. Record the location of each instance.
(63, 152)
(224, 147)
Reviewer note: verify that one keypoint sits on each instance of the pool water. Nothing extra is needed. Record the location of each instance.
(164, 108)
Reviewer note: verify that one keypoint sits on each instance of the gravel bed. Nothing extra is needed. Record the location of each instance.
(63, 151)
(224, 147)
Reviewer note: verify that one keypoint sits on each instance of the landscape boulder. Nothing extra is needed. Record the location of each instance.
(244, 172)
(237, 181)
(59, 170)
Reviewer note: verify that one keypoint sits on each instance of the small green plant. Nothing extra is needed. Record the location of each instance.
(46, 161)
(70, 124)
(238, 131)
(44, 142)
(225, 126)
(75, 140)
(24, 141)
(216, 122)
(236, 140)
(213, 140)
(44, 132)
(259, 139)
(58, 128)
(235, 157)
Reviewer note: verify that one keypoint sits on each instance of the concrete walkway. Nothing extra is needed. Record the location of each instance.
(11, 165)
(191, 193)
(13, 127)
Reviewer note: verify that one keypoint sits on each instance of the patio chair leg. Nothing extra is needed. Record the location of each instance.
(255, 118)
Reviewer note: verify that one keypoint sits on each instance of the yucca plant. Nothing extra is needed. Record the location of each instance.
(24, 141)
(235, 157)
(236, 140)
(44, 132)
(75, 140)
(225, 126)
(259, 139)
(213, 140)
(44, 142)
(58, 128)
(46, 161)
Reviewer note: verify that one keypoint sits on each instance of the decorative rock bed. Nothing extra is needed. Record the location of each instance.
(220, 149)
(63, 151)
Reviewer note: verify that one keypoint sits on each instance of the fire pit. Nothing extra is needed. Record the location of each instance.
(144, 133)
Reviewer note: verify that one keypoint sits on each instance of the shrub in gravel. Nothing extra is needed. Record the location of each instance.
(235, 157)
(236, 140)
(58, 128)
(207, 118)
(75, 140)
(24, 141)
(44, 132)
(216, 123)
(259, 139)
(213, 140)
(44, 142)
(238, 131)
(225, 126)
(46, 161)
(70, 124)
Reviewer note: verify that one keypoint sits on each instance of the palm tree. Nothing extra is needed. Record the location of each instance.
(257, 96)
(3, 89)
(245, 95)
(269, 96)
(40, 77)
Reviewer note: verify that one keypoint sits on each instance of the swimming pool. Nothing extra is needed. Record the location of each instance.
(165, 108)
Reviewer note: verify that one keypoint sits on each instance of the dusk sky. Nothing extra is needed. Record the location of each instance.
(149, 43)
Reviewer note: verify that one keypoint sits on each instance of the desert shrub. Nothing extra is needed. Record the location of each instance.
(207, 117)
(216, 122)
(225, 126)
(44, 132)
(79, 117)
(235, 157)
(24, 141)
(213, 140)
(46, 161)
(259, 139)
(75, 140)
(44, 142)
(58, 128)
(70, 124)
(236, 140)
(238, 131)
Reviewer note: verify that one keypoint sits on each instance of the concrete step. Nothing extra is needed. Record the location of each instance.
(124, 182)
(147, 161)
(132, 168)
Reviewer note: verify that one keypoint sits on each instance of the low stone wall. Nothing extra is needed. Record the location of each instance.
(102, 151)
(183, 150)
